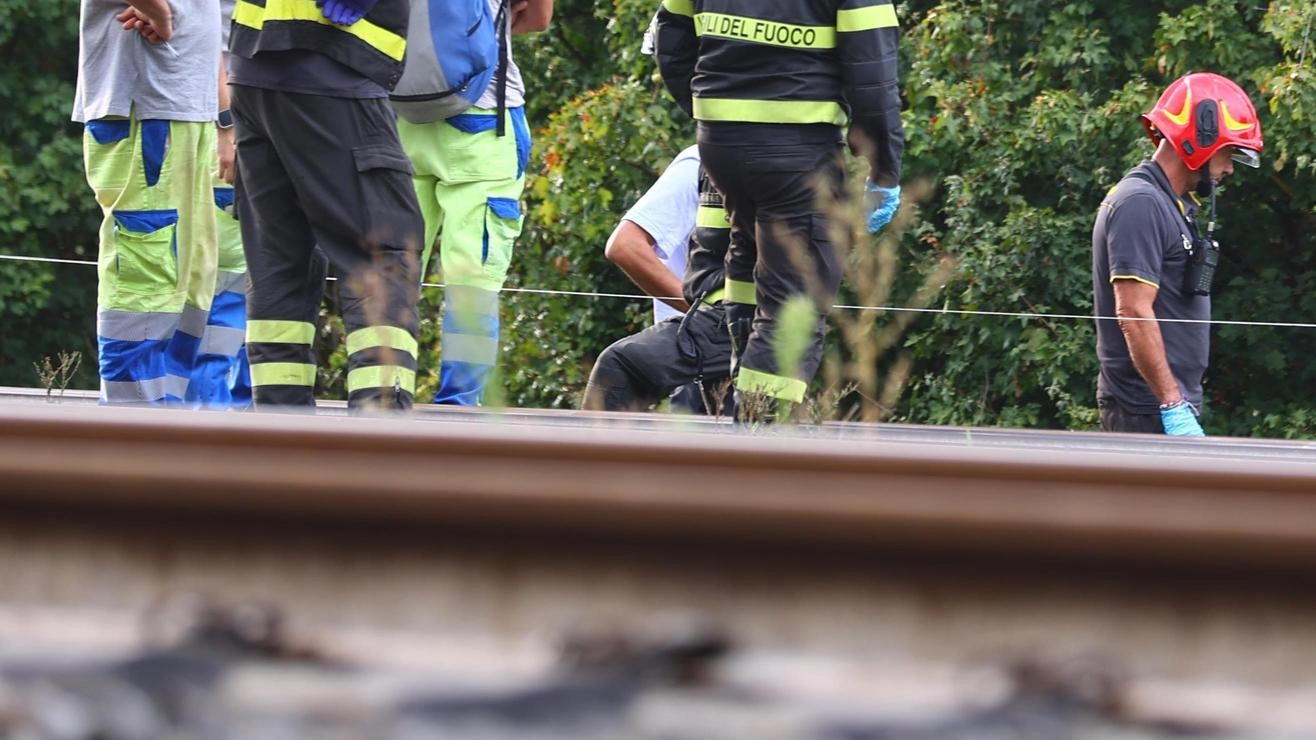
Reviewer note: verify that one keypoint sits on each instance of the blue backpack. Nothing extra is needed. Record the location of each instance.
(455, 48)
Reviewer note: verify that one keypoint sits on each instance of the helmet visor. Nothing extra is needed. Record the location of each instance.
(1243, 155)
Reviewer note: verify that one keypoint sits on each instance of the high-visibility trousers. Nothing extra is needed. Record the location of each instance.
(222, 378)
(321, 177)
(469, 182)
(157, 253)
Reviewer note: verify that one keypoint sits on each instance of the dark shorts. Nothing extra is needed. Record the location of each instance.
(1114, 418)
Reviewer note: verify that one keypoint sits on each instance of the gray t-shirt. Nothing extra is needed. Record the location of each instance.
(515, 85)
(1142, 233)
(120, 72)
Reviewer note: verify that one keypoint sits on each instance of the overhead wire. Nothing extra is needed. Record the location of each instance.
(847, 307)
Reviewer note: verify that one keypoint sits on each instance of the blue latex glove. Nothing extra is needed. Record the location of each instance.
(345, 12)
(882, 205)
(1180, 421)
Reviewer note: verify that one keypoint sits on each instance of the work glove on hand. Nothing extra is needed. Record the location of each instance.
(1180, 421)
(882, 205)
(345, 12)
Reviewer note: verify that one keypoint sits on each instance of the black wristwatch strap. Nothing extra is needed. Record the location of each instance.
(224, 119)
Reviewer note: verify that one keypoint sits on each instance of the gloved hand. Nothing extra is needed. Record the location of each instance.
(1180, 421)
(345, 12)
(882, 205)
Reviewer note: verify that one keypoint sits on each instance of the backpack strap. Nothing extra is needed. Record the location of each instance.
(500, 77)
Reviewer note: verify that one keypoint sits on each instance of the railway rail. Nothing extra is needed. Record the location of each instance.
(878, 565)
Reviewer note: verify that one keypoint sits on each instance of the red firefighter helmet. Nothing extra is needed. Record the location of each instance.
(1201, 112)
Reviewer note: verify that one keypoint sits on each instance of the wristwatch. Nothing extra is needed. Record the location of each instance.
(224, 119)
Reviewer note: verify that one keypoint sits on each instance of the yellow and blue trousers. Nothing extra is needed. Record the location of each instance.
(158, 254)
(469, 181)
(223, 376)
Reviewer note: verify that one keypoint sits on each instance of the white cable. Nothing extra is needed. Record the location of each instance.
(894, 309)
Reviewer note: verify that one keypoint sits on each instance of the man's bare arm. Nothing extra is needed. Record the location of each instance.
(1133, 307)
(631, 248)
(224, 138)
(531, 16)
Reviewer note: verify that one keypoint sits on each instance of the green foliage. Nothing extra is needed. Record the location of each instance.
(46, 208)
(596, 153)
(1020, 115)
(1024, 113)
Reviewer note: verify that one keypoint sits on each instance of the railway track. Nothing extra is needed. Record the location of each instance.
(843, 561)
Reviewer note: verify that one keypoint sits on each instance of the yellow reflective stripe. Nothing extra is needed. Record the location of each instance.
(285, 332)
(708, 217)
(381, 336)
(769, 111)
(381, 376)
(282, 373)
(739, 291)
(254, 16)
(1113, 278)
(680, 7)
(754, 381)
(866, 19)
(761, 31)
(715, 296)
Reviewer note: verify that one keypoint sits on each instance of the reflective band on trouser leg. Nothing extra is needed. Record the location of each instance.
(708, 217)
(284, 332)
(470, 345)
(254, 16)
(754, 381)
(382, 362)
(281, 359)
(739, 291)
(769, 111)
(381, 377)
(282, 373)
(156, 266)
(850, 20)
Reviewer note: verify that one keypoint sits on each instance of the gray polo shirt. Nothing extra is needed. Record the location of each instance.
(120, 72)
(1141, 233)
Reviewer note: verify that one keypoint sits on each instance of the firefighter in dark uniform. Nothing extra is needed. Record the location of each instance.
(635, 373)
(771, 84)
(319, 164)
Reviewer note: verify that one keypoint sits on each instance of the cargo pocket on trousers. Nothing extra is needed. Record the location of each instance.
(388, 198)
(502, 225)
(145, 268)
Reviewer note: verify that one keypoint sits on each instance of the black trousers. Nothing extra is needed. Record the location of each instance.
(315, 170)
(1114, 418)
(780, 183)
(636, 372)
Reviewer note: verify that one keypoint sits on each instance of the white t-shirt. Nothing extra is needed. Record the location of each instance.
(667, 212)
(515, 86)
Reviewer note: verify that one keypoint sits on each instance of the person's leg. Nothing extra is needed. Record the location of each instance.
(354, 182)
(156, 267)
(222, 379)
(421, 143)
(798, 271)
(479, 191)
(286, 280)
(638, 371)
